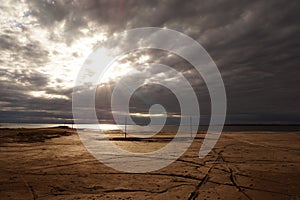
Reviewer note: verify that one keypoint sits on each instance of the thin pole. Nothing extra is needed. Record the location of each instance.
(125, 125)
(191, 126)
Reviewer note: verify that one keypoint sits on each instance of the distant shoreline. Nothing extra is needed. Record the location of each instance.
(168, 128)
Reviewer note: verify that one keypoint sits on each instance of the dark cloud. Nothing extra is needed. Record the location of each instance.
(32, 53)
(21, 106)
(255, 45)
(108, 16)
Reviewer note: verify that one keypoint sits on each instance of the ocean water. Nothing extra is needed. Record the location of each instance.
(112, 127)
(172, 128)
(28, 125)
(80, 126)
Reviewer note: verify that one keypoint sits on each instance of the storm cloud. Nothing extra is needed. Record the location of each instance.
(255, 45)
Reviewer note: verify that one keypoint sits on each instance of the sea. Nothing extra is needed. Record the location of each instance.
(80, 126)
(172, 128)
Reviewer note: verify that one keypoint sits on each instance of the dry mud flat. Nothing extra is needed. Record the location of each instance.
(53, 164)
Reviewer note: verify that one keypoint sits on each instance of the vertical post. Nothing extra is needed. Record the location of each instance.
(191, 126)
(125, 125)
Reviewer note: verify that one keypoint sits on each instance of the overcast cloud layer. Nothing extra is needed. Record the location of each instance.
(255, 44)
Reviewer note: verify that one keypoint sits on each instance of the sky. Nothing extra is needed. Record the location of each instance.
(255, 44)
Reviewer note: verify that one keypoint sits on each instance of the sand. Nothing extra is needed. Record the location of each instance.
(52, 163)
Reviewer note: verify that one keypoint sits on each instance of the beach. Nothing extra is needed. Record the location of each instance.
(52, 163)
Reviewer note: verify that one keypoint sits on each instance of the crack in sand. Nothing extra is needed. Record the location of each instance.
(232, 176)
(191, 162)
(234, 182)
(30, 188)
(75, 175)
(193, 195)
(66, 165)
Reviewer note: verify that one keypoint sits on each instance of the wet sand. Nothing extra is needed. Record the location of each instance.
(53, 164)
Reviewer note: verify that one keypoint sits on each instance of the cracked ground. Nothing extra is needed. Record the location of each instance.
(53, 164)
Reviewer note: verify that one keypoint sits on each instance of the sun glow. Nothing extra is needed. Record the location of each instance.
(143, 59)
(120, 68)
(43, 94)
(117, 70)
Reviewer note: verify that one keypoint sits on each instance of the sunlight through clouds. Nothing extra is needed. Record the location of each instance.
(44, 43)
(45, 95)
